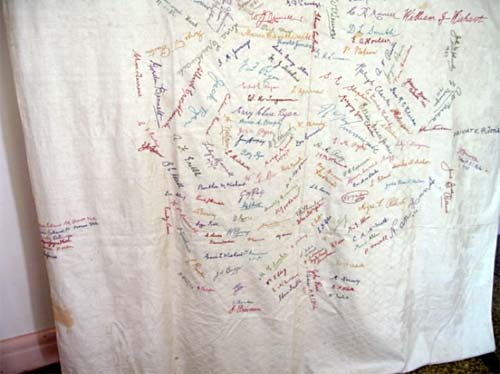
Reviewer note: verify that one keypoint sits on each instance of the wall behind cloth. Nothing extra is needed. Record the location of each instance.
(24, 292)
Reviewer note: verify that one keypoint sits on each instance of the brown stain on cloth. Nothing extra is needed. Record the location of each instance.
(62, 315)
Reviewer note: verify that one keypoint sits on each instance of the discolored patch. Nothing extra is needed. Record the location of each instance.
(62, 315)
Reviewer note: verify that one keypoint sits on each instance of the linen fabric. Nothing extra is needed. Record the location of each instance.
(245, 186)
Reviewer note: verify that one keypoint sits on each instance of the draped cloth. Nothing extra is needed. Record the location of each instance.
(245, 186)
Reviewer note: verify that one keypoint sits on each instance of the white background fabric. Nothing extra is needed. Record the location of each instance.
(266, 187)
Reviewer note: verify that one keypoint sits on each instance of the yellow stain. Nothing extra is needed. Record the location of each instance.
(62, 315)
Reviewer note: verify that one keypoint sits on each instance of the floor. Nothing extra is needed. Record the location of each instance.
(488, 364)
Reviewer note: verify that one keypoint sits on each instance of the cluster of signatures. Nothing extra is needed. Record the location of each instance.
(300, 139)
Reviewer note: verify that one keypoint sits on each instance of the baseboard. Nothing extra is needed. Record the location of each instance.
(28, 352)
